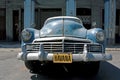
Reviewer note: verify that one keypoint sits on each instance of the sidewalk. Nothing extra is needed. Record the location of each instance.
(113, 48)
(18, 45)
(4, 44)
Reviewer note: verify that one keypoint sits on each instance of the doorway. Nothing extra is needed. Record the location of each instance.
(117, 32)
(15, 25)
(85, 15)
(2, 24)
(46, 13)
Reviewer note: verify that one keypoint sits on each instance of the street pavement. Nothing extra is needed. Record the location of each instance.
(13, 69)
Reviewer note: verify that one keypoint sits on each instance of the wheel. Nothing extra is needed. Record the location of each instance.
(33, 66)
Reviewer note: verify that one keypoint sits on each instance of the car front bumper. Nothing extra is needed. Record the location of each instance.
(44, 56)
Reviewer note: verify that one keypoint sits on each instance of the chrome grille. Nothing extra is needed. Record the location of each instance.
(73, 47)
(53, 47)
(58, 46)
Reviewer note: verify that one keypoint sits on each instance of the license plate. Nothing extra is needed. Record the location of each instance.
(62, 58)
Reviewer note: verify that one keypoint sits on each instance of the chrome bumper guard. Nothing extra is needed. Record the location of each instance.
(44, 56)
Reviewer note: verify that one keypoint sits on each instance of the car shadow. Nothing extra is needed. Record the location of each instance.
(61, 77)
(107, 71)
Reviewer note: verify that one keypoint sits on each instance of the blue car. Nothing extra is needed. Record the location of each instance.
(63, 41)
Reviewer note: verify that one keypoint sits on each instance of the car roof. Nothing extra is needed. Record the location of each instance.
(63, 17)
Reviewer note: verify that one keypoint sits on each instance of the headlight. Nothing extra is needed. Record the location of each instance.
(100, 36)
(26, 35)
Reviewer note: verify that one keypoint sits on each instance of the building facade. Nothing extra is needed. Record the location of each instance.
(90, 11)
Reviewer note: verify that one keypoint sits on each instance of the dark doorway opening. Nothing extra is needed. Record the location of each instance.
(15, 25)
(85, 15)
(2, 24)
(117, 32)
(47, 13)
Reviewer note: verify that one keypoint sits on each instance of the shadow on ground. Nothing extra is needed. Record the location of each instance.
(107, 72)
(61, 77)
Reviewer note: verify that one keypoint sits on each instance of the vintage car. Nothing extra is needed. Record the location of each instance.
(65, 41)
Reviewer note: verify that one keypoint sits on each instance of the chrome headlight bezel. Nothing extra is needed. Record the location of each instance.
(26, 35)
(100, 36)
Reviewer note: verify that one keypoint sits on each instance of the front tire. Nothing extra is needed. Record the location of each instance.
(33, 66)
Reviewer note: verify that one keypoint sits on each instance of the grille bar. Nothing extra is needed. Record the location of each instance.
(59, 46)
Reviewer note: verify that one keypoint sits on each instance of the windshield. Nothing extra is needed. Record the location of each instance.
(61, 27)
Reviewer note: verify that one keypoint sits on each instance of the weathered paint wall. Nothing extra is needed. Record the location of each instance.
(96, 7)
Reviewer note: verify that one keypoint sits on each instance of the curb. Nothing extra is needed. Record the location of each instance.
(115, 47)
(112, 49)
(10, 44)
